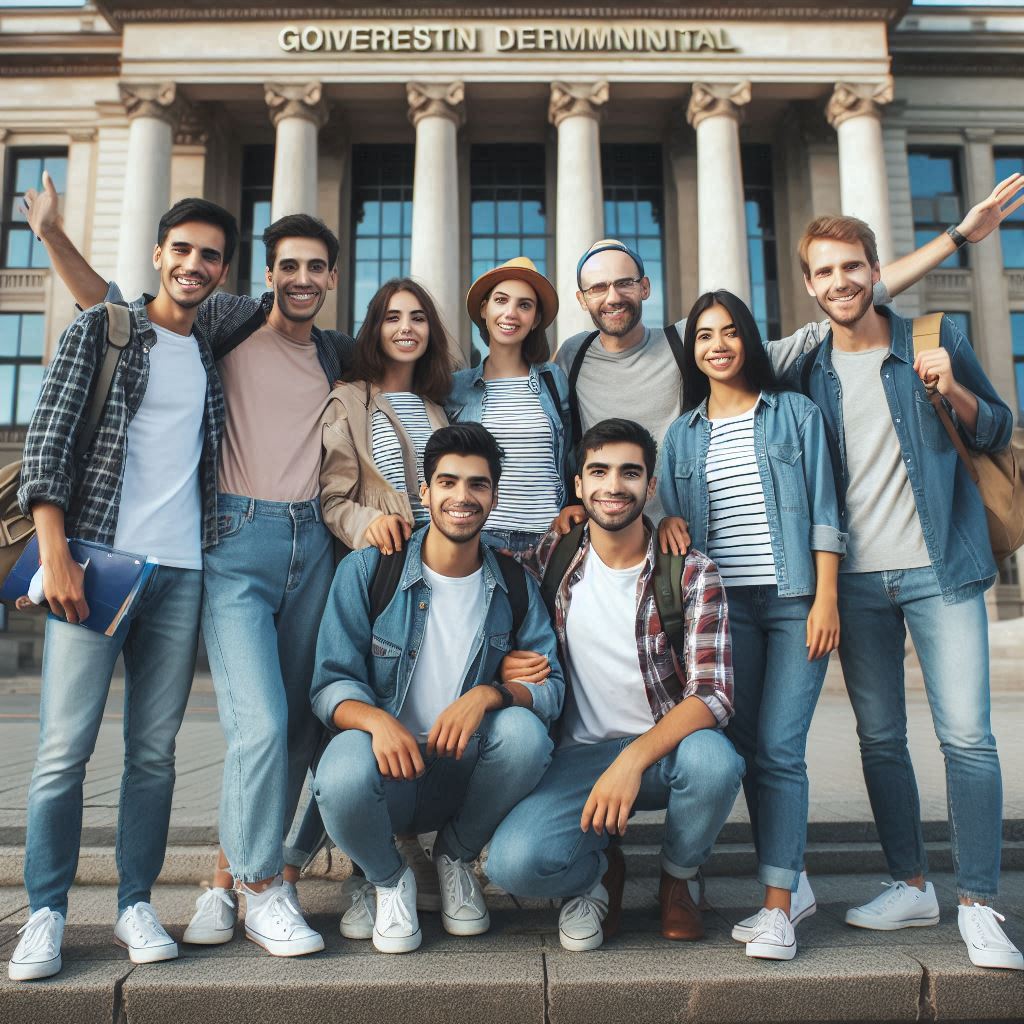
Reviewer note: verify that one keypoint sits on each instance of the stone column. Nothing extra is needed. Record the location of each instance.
(714, 112)
(990, 317)
(437, 112)
(298, 112)
(855, 112)
(153, 112)
(575, 110)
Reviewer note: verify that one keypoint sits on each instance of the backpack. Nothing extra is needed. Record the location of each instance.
(16, 528)
(999, 476)
(388, 574)
(668, 592)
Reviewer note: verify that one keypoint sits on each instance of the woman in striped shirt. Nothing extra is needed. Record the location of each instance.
(747, 466)
(520, 397)
(378, 422)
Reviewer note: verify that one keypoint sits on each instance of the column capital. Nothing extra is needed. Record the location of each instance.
(717, 99)
(858, 100)
(82, 134)
(983, 135)
(159, 100)
(302, 101)
(577, 99)
(193, 129)
(3, 135)
(446, 99)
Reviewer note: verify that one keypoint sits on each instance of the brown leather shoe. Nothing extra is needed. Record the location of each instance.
(680, 917)
(614, 881)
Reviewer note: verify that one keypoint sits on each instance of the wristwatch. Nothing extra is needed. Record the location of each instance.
(958, 240)
(507, 696)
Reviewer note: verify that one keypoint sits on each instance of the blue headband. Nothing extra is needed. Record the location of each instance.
(610, 247)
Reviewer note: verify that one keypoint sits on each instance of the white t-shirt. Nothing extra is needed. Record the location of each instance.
(453, 625)
(160, 513)
(608, 697)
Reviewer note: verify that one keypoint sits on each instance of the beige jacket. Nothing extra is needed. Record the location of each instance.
(352, 492)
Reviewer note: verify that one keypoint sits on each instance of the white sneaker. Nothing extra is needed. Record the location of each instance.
(214, 920)
(357, 921)
(139, 930)
(428, 894)
(463, 907)
(773, 937)
(38, 952)
(903, 906)
(273, 920)
(803, 904)
(580, 921)
(396, 928)
(987, 943)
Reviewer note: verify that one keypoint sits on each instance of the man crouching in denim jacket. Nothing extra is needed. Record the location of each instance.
(426, 737)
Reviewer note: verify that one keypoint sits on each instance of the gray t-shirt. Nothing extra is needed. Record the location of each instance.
(885, 532)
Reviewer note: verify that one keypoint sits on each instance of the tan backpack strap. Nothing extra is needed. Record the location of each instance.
(119, 333)
(119, 324)
(927, 330)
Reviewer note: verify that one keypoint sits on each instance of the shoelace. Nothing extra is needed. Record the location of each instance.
(391, 910)
(458, 885)
(144, 923)
(895, 888)
(581, 907)
(771, 923)
(365, 892)
(283, 912)
(38, 935)
(982, 924)
(208, 900)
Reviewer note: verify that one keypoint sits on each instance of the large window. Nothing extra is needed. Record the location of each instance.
(1017, 330)
(21, 366)
(937, 196)
(634, 213)
(257, 186)
(381, 220)
(762, 250)
(25, 169)
(1011, 233)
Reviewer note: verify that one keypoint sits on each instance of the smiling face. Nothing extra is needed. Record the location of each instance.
(510, 312)
(301, 277)
(191, 262)
(618, 311)
(841, 279)
(405, 332)
(613, 485)
(460, 496)
(718, 347)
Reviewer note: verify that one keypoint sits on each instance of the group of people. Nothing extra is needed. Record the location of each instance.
(513, 603)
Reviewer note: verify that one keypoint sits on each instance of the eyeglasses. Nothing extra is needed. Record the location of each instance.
(600, 290)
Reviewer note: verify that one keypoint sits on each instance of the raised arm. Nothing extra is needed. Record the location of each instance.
(981, 220)
(42, 210)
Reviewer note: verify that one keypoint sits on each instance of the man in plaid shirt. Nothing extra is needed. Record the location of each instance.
(642, 729)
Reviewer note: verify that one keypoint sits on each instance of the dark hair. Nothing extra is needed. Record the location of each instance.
(618, 431)
(463, 439)
(536, 349)
(838, 229)
(205, 212)
(757, 369)
(300, 225)
(432, 373)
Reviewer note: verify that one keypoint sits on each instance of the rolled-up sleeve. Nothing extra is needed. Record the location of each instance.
(708, 651)
(536, 634)
(994, 427)
(821, 486)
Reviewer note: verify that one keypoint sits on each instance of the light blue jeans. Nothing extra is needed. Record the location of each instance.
(158, 639)
(265, 589)
(463, 799)
(539, 850)
(776, 691)
(952, 645)
(513, 542)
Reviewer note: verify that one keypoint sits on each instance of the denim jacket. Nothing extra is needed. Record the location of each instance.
(466, 404)
(796, 477)
(375, 665)
(949, 507)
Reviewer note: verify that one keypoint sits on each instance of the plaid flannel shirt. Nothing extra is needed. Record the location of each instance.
(89, 490)
(706, 668)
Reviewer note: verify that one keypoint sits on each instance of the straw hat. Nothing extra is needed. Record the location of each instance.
(522, 268)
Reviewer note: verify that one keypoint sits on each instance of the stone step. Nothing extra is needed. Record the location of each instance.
(518, 973)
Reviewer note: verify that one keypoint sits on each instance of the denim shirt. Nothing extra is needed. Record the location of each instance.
(796, 477)
(469, 395)
(375, 665)
(949, 507)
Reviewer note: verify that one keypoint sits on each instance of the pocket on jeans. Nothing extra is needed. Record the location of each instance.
(229, 523)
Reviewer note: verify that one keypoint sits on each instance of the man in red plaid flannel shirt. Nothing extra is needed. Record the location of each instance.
(642, 727)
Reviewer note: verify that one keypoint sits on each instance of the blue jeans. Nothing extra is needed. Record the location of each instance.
(539, 850)
(776, 690)
(158, 639)
(464, 799)
(512, 542)
(266, 585)
(952, 644)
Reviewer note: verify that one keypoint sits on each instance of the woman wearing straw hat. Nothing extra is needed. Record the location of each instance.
(520, 397)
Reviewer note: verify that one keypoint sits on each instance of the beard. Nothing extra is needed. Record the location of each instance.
(458, 534)
(853, 313)
(281, 301)
(633, 313)
(617, 522)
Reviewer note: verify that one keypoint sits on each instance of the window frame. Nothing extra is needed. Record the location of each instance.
(957, 260)
(17, 361)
